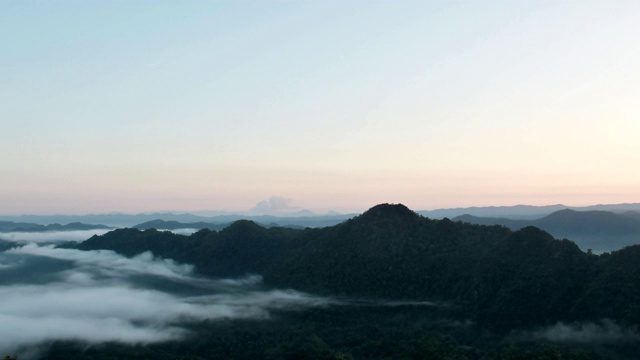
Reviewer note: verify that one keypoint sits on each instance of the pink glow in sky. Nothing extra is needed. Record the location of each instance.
(148, 106)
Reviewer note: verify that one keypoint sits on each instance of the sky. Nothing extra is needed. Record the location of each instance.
(134, 106)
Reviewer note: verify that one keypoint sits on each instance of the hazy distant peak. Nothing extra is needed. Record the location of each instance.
(467, 218)
(563, 212)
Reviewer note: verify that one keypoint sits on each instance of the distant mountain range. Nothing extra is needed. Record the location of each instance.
(524, 212)
(599, 231)
(601, 228)
(176, 225)
(132, 220)
(308, 219)
(10, 226)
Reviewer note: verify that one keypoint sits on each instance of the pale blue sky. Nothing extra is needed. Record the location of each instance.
(190, 105)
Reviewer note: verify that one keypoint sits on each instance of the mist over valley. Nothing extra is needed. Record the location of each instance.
(196, 180)
(425, 285)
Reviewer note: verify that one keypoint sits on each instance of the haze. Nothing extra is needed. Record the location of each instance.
(140, 106)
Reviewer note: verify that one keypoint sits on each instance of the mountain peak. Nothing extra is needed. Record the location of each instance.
(244, 228)
(389, 211)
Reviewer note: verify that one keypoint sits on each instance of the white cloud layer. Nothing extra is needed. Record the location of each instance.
(51, 236)
(100, 296)
(107, 262)
(273, 205)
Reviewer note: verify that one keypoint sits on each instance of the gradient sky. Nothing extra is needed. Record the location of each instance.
(188, 105)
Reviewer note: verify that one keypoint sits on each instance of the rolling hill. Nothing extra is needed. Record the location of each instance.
(600, 231)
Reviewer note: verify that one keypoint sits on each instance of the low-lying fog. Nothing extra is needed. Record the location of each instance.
(45, 237)
(51, 294)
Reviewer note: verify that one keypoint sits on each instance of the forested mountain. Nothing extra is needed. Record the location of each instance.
(452, 290)
(502, 279)
(597, 230)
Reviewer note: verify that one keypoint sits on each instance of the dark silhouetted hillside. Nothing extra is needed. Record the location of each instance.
(242, 248)
(498, 278)
(529, 277)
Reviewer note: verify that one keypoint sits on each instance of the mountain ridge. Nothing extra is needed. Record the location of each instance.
(599, 230)
(525, 212)
(11, 226)
(500, 278)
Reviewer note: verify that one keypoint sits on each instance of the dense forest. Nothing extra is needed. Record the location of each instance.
(412, 287)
